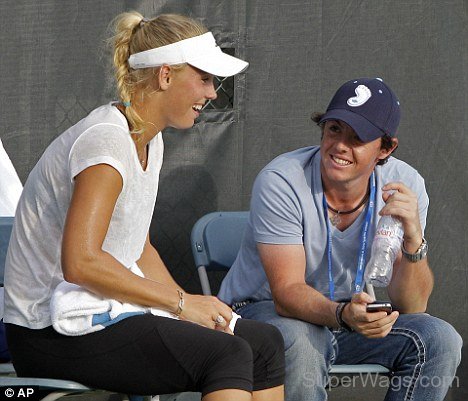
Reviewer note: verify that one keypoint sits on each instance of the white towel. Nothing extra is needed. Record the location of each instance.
(76, 311)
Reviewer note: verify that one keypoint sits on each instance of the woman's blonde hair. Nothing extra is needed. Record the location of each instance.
(133, 34)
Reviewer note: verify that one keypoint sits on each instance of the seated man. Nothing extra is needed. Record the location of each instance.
(301, 263)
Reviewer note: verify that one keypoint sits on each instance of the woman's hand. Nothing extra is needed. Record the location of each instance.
(207, 311)
(369, 324)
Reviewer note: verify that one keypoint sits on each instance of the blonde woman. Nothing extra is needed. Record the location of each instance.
(84, 218)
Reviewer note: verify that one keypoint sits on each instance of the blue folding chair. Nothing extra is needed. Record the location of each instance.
(215, 241)
(54, 389)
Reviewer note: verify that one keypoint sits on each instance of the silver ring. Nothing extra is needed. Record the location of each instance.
(220, 320)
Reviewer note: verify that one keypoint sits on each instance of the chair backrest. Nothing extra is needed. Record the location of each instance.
(216, 239)
(6, 224)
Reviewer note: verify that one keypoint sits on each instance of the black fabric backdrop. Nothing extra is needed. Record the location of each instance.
(53, 71)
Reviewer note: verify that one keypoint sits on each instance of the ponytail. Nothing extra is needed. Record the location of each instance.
(125, 24)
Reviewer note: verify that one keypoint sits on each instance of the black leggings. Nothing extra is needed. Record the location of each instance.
(154, 355)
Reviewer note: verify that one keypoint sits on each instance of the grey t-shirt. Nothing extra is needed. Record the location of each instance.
(287, 208)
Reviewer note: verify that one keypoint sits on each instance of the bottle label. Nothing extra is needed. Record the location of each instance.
(389, 232)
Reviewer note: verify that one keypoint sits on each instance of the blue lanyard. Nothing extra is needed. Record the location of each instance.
(358, 284)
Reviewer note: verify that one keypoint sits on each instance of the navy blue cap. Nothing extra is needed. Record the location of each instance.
(368, 106)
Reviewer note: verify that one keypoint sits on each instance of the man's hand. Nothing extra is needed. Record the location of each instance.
(369, 324)
(402, 203)
(411, 283)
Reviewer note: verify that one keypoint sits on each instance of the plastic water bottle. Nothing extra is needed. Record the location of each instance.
(387, 243)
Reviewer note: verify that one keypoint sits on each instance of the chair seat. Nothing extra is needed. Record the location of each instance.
(67, 385)
(6, 369)
(356, 369)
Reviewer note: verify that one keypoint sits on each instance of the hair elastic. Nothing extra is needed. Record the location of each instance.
(143, 21)
(127, 104)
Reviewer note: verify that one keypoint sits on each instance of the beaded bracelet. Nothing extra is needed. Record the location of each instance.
(339, 316)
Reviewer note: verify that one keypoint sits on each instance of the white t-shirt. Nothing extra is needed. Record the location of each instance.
(33, 267)
(10, 185)
(10, 192)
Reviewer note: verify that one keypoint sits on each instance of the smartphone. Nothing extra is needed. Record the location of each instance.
(380, 307)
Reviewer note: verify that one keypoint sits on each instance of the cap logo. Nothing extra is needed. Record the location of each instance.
(363, 94)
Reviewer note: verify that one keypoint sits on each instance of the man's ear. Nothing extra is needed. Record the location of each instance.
(394, 145)
(165, 77)
(384, 153)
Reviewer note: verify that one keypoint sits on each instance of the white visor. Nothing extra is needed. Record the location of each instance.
(200, 52)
